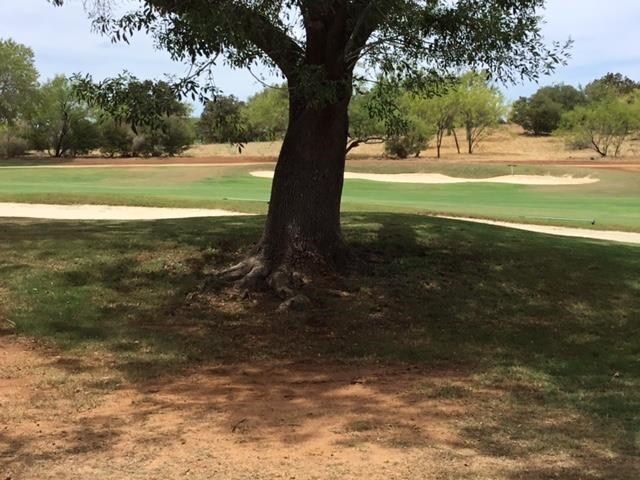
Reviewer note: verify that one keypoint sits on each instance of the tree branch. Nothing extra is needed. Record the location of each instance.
(359, 141)
(366, 16)
(245, 23)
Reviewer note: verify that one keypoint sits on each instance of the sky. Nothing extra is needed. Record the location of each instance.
(606, 39)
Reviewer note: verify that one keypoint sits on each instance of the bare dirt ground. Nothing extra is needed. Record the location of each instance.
(64, 417)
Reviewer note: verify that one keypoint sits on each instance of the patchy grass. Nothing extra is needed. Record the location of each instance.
(534, 338)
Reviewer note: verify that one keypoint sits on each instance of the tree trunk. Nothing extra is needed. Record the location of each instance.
(439, 135)
(469, 138)
(302, 230)
(304, 210)
(455, 137)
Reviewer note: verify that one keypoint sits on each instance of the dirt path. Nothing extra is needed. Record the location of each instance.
(608, 235)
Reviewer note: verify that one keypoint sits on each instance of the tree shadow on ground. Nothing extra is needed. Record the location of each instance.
(517, 346)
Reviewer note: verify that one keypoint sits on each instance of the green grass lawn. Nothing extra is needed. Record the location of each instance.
(536, 337)
(614, 202)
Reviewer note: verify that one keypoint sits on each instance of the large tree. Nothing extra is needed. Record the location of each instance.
(61, 123)
(320, 47)
(18, 81)
(18, 87)
(267, 113)
(540, 114)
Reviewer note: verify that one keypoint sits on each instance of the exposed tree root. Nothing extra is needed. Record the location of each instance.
(285, 275)
(257, 274)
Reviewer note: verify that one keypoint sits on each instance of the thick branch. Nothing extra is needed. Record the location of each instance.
(245, 23)
(366, 17)
(359, 141)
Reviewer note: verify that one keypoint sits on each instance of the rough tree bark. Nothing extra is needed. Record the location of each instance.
(302, 231)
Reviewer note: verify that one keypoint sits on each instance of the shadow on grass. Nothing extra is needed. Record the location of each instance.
(539, 335)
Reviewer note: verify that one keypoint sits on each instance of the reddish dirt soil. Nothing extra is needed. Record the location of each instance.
(64, 417)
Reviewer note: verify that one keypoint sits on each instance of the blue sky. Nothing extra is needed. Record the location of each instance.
(606, 37)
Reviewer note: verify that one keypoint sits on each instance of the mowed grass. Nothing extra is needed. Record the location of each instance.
(614, 202)
(535, 338)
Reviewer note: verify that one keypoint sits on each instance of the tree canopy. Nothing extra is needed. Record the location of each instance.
(610, 85)
(18, 81)
(297, 37)
(540, 114)
(321, 47)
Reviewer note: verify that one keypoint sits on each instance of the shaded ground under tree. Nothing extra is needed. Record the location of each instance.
(441, 353)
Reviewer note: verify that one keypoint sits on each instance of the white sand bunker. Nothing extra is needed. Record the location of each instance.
(437, 178)
(104, 212)
(608, 235)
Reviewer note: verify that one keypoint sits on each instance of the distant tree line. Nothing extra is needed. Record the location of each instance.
(65, 117)
(263, 117)
(601, 116)
(125, 117)
(406, 122)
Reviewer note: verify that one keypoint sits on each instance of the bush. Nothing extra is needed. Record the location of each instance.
(143, 145)
(173, 137)
(542, 112)
(12, 146)
(603, 126)
(402, 146)
(116, 139)
(84, 136)
(577, 142)
(177, 136)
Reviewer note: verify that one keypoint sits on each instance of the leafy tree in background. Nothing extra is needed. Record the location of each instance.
(137, 103)
(151, 109)
(222, 121)
(604, 125)
(362, 124)
(18, 87)
(541, 113)
(316, 45)
(415, 134)
(480, 107)
(116, 138)
(443, 110)
(177, 135)
(267, 113)
(62, 124)
(18, 81)
(519, 114)
(611, 85)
